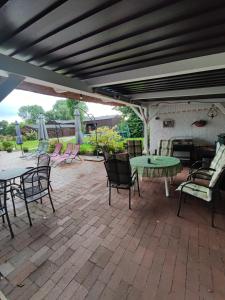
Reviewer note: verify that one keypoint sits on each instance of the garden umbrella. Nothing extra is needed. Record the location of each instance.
(42, 131)
(78, 131)
(19, 138)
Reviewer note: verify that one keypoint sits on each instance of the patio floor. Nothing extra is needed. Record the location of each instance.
(88, 250)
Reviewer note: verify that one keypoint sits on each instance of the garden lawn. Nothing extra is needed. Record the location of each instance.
(32, 145)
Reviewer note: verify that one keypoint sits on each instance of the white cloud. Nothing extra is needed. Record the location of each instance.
(10, 105)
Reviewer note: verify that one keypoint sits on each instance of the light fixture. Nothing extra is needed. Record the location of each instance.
(213, 112)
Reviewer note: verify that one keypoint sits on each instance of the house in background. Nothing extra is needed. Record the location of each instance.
(109, 121)
(60, 128)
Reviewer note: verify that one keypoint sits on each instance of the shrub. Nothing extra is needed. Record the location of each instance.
(10, 149)
(107, 139)
(86, 149)
(6, 145)
(25, 149)
(31, 136)
(7, 138)
(51, 146)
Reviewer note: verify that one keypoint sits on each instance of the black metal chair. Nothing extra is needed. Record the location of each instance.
(207, 193)
(43, 160)
(3, 205)
(120, 175)
(35, 185)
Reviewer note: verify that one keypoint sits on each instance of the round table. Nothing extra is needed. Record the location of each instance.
(159, 166)
(12, 173)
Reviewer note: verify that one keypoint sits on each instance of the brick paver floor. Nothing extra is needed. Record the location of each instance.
(88, 250)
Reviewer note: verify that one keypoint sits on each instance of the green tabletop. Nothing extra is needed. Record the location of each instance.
(160, 166)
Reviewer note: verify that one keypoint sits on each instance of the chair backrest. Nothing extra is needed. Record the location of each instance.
(106, 155)
(118, 170)
(76, 149)
(35, 181)
(165, 148)
(69, 148)
(218, 161)
(217, 180)
(58, 148)
(134, 148)
(217, 146)
(2, 195)
(43, 160)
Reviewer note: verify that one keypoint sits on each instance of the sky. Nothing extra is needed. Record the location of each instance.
(10, 105)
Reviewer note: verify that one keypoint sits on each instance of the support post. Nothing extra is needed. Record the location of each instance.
(9, 84)
(143, 115)
(220, 107)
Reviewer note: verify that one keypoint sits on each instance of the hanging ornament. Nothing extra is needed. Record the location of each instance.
(212, 113)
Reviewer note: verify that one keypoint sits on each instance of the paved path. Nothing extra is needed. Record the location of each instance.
(88, 250)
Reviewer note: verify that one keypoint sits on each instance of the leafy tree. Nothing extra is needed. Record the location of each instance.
(82, 106)
(30, 113)
(61, 111)
(134, 123)
(64, 110)
(7, 128)
(10, 129)
(3, 127)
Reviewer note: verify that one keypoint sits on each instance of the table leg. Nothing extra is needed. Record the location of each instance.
(167, 187)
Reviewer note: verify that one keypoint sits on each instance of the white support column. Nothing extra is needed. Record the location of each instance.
(143, 115)
(9, 84)
(221, 107)
(146, 138)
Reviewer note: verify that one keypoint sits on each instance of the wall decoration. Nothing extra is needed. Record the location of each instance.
(168, 123)
(199, 123)
(213, 112)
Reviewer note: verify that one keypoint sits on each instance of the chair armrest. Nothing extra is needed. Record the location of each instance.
(202, 169)
(195, 165)
(199, 171)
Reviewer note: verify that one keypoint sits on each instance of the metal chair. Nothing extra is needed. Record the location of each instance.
(43, 160)
(197, 171)
(3, 205)
(120, 175)
(35, 185)
(207, 193)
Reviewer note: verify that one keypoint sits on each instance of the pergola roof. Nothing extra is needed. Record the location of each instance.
(94, 41)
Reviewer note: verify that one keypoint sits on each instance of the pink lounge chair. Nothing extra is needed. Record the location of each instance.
(75, 153)
(56, 152)
(56, 160)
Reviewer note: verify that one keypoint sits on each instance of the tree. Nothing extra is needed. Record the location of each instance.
(82, 106)
(61, 111)
(134, 123)
(3, 127)
(30, 113)
(10, 129)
